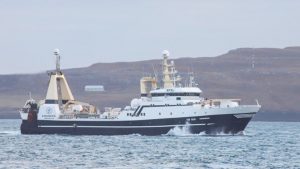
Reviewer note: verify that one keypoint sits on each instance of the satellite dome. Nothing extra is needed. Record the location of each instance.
(56, 51)
(165, 52)
(135, 103)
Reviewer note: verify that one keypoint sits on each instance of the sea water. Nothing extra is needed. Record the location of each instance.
(262, 145)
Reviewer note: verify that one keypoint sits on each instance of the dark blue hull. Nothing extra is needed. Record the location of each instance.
(229, 124)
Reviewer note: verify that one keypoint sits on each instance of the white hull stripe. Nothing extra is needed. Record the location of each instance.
(204, 118)
(183, 125)
(243, 115)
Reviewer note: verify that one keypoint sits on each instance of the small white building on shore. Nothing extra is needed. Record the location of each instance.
(93, 88)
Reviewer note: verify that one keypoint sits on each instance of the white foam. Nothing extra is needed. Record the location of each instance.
(222, 133)
(202, 133)
(231, 166)
(10, 132)
(135, 134)
(180, 131)
(241, 133)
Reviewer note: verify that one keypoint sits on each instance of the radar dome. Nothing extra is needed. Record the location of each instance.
(135, 103)
(56, 51)
(165, 52)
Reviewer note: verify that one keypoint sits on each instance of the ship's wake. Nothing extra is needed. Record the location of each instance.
(180, 131)
(222, 133)
(186, 131)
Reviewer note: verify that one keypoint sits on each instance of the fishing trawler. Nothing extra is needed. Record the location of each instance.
(158, 110)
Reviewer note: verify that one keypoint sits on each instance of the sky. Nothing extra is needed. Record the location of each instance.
(92, 31)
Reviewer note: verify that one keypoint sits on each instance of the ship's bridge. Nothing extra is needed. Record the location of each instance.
(180, 93)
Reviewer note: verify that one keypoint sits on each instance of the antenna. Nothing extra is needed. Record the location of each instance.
(154, 71)
(172, 62)
(253, 61)
(30, 96)
(56, 53)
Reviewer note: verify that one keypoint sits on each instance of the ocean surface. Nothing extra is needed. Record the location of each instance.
(263, 145)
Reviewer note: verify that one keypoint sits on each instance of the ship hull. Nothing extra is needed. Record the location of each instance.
(227, 123)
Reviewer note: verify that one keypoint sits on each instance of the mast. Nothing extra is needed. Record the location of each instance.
(168, 82)
(169, 72)
(58, 83)
(56, 53)
(191, 80)
(58, 89)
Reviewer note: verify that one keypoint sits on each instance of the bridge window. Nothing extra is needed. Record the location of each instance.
(174, 94)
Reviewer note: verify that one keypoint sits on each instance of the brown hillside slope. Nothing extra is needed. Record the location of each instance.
(274, 80)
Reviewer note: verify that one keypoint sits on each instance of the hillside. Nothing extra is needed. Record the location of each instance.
(268, 74)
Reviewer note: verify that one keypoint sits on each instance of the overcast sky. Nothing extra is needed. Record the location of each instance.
(88, 32)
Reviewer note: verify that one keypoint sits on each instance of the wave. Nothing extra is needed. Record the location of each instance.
(10, 132)
(135, 134)
(222, 133)
(185, 131)
(180, 131)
